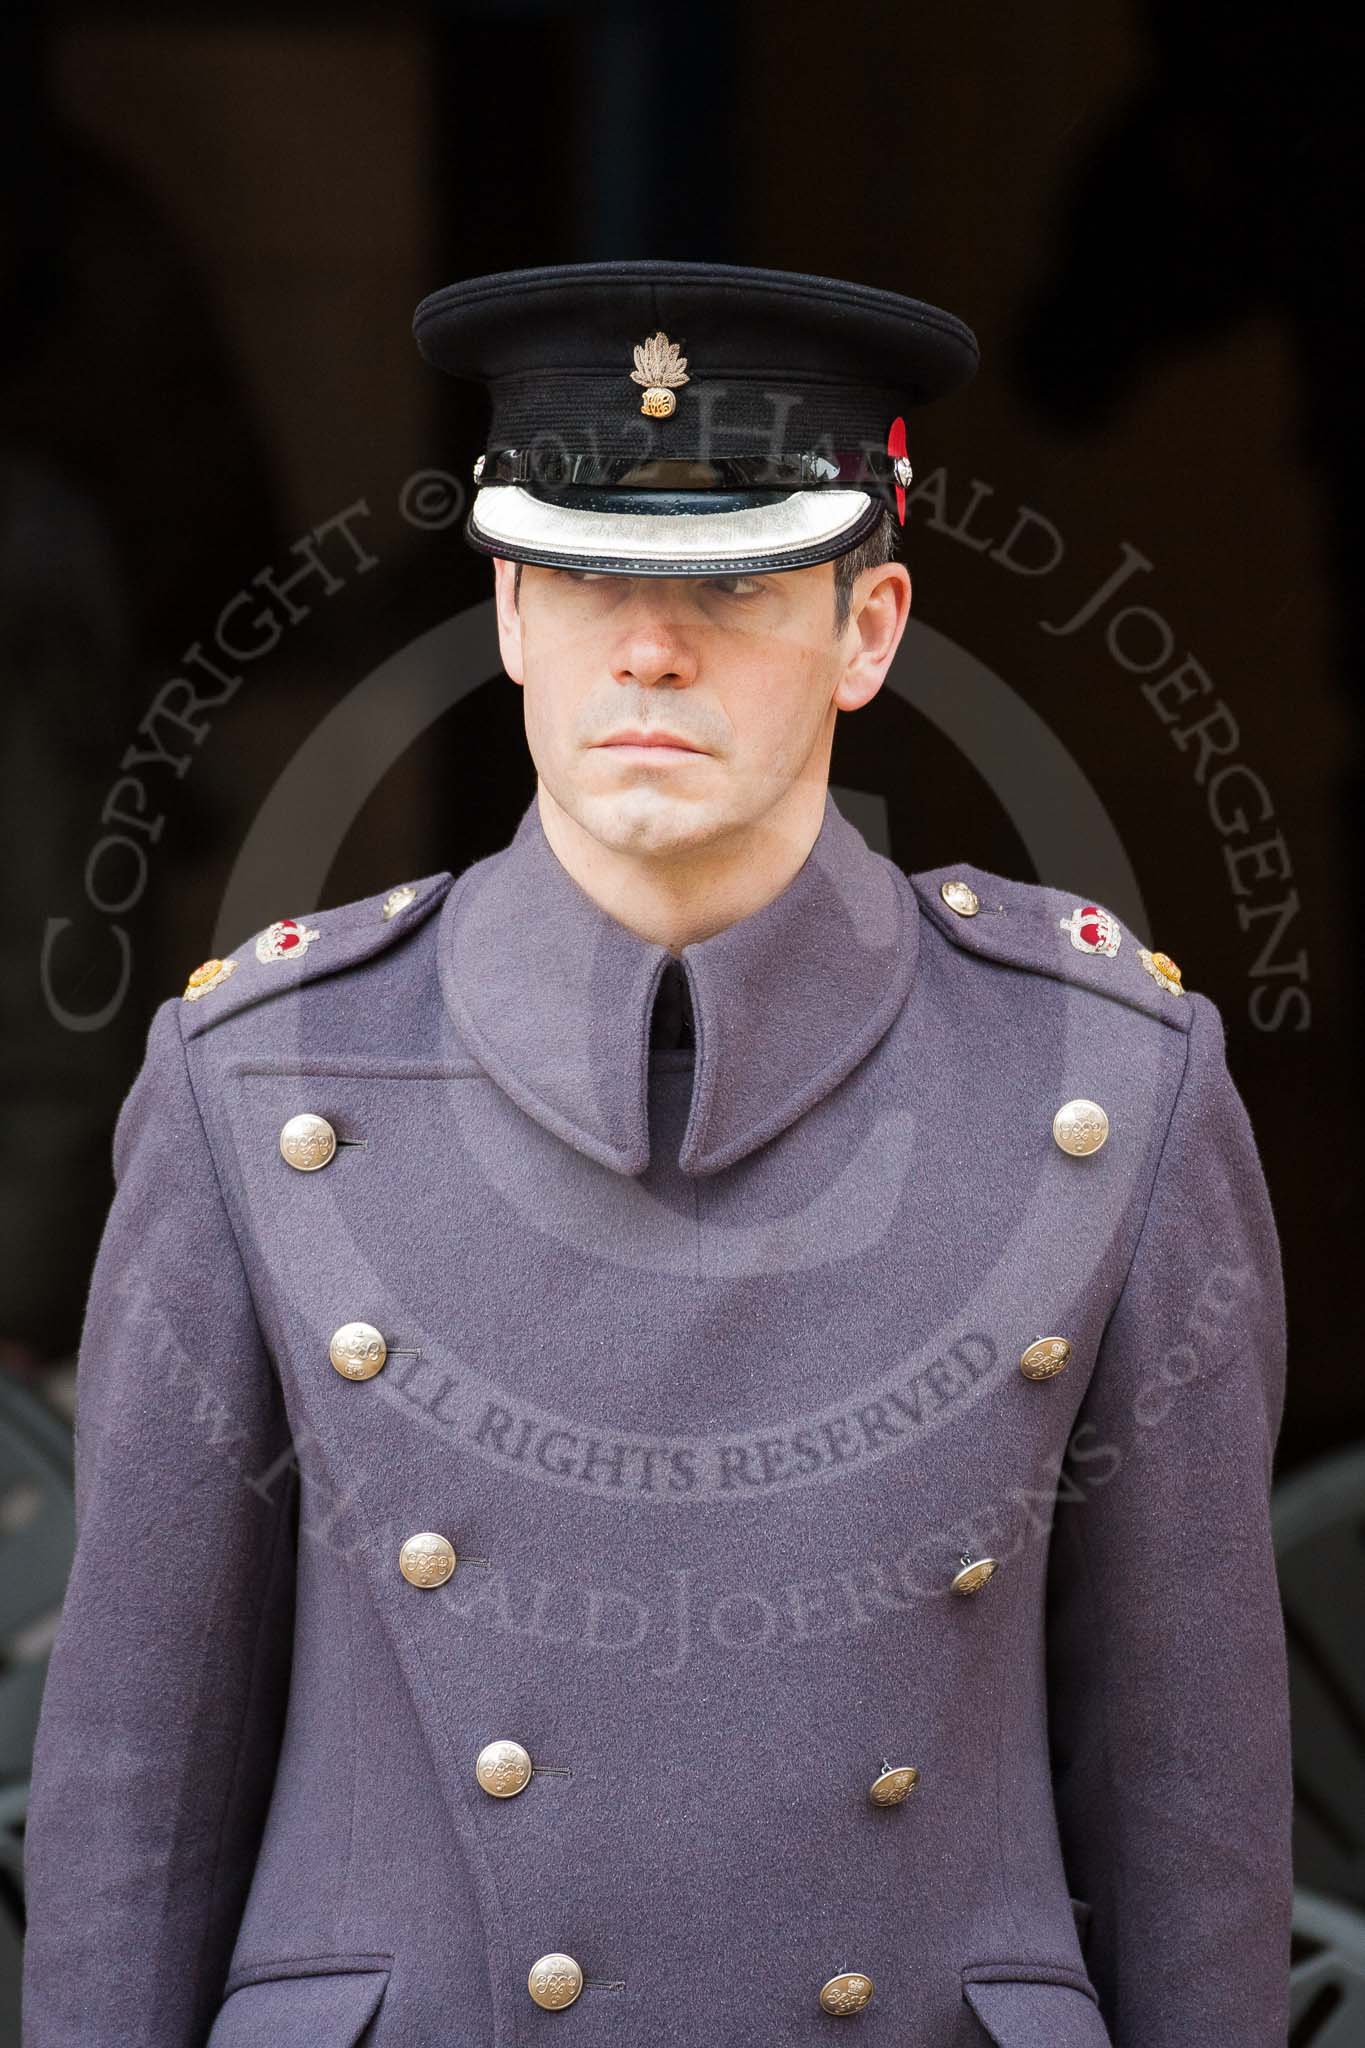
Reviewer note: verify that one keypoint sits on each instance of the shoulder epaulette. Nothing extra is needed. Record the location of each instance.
(1047, 931)
(298, 949)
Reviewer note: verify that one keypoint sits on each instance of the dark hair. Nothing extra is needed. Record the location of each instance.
(878, 548)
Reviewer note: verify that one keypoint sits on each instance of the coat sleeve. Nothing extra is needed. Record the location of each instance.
(163, 1705)
(1167, 1667)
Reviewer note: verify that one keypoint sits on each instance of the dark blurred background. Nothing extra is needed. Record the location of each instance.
(217, 223)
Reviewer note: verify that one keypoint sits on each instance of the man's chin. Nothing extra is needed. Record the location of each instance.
(640, 815)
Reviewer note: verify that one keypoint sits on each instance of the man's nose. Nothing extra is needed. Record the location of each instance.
(654, 646)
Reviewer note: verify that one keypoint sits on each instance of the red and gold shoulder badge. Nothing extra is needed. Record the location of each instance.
(1162, 968)
(208, 975)
(1092, 930)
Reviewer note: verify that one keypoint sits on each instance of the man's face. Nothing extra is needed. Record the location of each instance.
(747, 671)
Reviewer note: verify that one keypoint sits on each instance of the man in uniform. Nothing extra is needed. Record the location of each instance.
(675, 1431)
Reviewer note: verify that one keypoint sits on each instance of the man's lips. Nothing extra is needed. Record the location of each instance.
(669, 741)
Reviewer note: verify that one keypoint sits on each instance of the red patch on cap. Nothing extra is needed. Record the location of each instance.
(895, 445)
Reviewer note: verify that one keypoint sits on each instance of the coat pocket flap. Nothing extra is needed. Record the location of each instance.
(1017, 2013)
(327, 2009)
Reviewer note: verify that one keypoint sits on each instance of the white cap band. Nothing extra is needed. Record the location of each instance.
(510, 515)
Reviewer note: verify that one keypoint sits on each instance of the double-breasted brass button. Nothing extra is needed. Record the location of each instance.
(307, 1141)
(554, 1981)
(893, 1784)
(1044, 1357)
(503, 1768)
(1080, 1126)
(848, 1992)
(973, 1574)
(961, 897)
(357, 1350)
(426, 1559)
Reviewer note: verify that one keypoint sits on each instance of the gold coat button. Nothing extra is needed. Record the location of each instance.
(357, 1350)
(961, 897)
(973, 1574)
(307, 1141)
(893, 1784)
(1044, 1357)
(1080, 1126)
(426, 1559)
(503, 1768)
(554, 1981)
(848, 1992)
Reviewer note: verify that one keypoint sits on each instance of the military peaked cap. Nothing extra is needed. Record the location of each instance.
(682, 419)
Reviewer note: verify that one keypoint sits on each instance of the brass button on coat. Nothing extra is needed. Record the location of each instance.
(503, 1768)
(357, 1350)
(893, 1784)
(554, 1981)
(307, 1141)
(961, 897)
(1044, 1357)
(848, 1992)
(973, 1574)
(1080, 1126)
(426, 1559)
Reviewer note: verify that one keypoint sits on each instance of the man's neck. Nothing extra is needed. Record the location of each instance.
(677, 898)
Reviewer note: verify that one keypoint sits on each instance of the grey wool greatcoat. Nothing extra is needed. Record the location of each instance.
(702, 1364)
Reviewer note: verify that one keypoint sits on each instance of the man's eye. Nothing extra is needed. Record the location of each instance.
(727, 586)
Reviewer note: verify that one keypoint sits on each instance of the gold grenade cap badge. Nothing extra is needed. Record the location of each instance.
(659, 364)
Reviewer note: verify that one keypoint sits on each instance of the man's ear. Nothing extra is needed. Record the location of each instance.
(509, 618)
(879, 612)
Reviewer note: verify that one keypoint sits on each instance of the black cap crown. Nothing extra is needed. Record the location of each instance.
(688, 418)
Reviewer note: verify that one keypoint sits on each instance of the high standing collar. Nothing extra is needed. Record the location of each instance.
(554, 996)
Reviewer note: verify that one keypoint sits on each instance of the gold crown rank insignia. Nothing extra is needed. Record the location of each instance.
(659, 363)
(287, 935)
(1092, 930)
